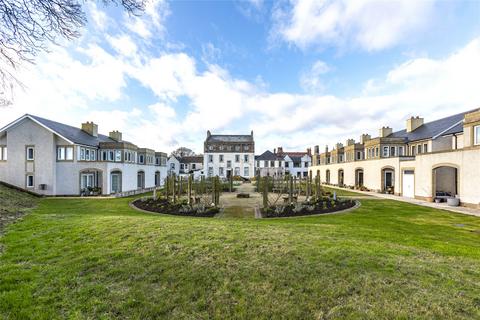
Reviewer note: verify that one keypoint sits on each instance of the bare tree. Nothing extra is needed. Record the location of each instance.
(183, 152)
(27, 27)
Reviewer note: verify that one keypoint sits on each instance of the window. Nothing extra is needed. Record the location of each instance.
(237, 148)
(245, 157)
(210, 148)
(87, 154)
(60, 153)
(392, 151)
(141, 159)
(359, 155)
(110, 155)
(265, 164)
(220, 158)
(210, 158)
(400, 151)
(118, 155)
(69, 153)
(220, 171)
(237, 171)
(246, 148)
(272, 164)
(425, 148)
(172, 166)
(194, 166)
(413, 150)
(30, 182)
(258, 164)
(419, 149)
(30, 153)
(229, 163)
(246, 171)
(476, 132)
(385, 152)
(376, 152)
(3, 153)
(104, 155)
(286, 164)
(210, 171)
(221, 147)
(237, 158)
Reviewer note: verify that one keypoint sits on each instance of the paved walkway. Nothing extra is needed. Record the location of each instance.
(443, 206)
(234, 207)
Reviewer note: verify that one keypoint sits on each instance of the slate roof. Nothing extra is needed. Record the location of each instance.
(431, 129)
(76, 135)
(267, 155)
(229, 138)
(192, 159)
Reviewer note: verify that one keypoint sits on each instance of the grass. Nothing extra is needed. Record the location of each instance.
(343, 192)
(14, 204)
(94, 259)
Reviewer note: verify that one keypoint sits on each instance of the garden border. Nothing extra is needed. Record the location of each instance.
(258, 213)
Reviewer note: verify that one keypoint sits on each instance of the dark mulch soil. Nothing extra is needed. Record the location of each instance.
(179, 209)
(319, 207)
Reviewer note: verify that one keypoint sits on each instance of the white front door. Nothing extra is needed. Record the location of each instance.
(408, 184)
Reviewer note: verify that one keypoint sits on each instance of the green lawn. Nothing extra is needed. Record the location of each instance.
(90, 259)
(343, 192)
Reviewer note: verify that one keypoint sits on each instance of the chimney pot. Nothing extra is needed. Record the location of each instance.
(90, 128)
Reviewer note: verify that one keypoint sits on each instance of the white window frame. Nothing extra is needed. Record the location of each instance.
(387, 153)
(220, 158)
(28, 180)
(3, 153)
(476, 135)
(237, 158)
(245, 157)
(220, 171)
(28, 153)
(394, 149)
(425, 148)
(118, 155)
(400, 151)
(69, 153)
(60, 153)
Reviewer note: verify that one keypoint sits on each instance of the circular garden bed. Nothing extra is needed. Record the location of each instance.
(179, 209)
(307, 208)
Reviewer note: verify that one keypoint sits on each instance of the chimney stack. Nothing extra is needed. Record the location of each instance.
(115, 135)
(208, 134)
(280, 150)
(385, 132)
(316, 149)
(326, 148)
(309, 151)
(350, 142)
(414, 123)
(364, 138)
(339, 146)
(90, 128)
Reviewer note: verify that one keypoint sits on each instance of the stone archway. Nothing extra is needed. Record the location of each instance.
(388, 179)
(341, 178)
(359, 177)
(115, 181)
(445, 181)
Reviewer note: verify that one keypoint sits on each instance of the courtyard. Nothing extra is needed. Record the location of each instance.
(89, 258)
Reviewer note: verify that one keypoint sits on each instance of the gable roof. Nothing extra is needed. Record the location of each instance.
(433, 129)
(267, 155)
(230, 138)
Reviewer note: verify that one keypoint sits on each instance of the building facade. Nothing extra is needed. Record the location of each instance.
(227, 155)
(424, 161)
(280, 162)
(52, 158)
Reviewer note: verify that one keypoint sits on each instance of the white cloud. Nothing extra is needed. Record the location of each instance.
(98, 16)
(123, 44)
(151, 22)
(310, 80)
(370, 25)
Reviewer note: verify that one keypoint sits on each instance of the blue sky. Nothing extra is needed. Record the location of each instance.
(298, 73)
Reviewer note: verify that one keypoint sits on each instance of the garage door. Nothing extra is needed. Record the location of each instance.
(408, 184)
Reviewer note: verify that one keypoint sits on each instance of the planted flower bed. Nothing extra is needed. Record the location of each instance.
(180, 209)
(324, 205)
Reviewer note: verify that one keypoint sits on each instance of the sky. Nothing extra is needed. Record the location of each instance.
(297, 73)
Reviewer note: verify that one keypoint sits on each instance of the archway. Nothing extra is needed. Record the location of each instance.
(141, 179)
(90, 181)
(340, 177)
(388, 180)
(445, 181)
(115, 181)
(157, 178)
(359, 177)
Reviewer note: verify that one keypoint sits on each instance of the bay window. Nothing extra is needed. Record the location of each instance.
(476, 133)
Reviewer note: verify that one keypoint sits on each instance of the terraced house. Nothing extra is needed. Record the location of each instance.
(52, 158)
(426, 161)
